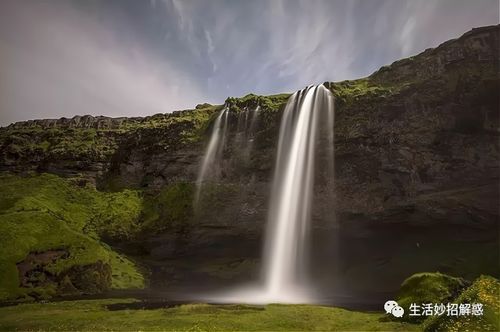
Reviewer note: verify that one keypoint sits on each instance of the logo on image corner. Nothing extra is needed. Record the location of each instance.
(393, 308)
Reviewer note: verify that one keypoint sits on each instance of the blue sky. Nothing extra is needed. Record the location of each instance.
(138, 57)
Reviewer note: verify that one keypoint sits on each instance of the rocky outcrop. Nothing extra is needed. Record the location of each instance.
(35, 274)
(89, 147)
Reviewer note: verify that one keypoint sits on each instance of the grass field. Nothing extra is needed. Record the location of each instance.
(94, 315)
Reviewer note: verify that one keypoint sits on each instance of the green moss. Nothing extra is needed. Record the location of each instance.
(116, 215)
(171, 208)
(45, 212)
(60, 143)
(200, 119)
(271, 103)
(348, 92)
(112, 182)
(36, 231)
(94, 315)
(428, 288)
(40, 141)
(484, 290)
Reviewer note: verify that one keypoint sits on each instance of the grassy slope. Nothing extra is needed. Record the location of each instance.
(485, 290)
(93, 315)
(428, 287)
(46, 212)
(27, 142)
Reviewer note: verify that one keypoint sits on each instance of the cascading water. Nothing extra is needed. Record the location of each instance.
(211, 163)
(213, 151)
(286, 242)
(285, 272)
(248, 147)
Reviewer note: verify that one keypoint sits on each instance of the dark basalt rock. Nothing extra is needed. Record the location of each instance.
(32, 272)
(35, 273)
(88, 279)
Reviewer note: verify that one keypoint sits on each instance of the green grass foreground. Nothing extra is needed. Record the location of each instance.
(94, 315)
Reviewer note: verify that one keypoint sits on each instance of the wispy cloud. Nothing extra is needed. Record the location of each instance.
(56, 62)
(130, 57)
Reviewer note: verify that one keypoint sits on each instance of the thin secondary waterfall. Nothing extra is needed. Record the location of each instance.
(213, 151)
(212, 162)
(307, 121)
(249, 140)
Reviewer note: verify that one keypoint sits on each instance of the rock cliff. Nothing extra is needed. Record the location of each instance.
(416, 173)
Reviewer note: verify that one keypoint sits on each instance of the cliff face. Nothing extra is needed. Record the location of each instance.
(422, 125)
(416, 150)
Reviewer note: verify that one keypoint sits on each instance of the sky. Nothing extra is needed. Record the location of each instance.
(60, 58)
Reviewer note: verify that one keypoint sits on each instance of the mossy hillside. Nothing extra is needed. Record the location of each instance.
(175, 130)
(116, 215)
(25, 232)
(100, 138)
(348, 92)
(199, 119)
(58, 143)
(169, 209)
(44, 212)
(81, 218)
(484, 290)
(428, 287)
(96, 315)
(83, 209)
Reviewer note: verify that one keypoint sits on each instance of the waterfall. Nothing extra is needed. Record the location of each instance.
(213, 151)
(302, 128)
(286, 247)
(212, 162)
(249, 139)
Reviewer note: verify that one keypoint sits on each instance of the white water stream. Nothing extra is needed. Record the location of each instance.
(285, 278)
